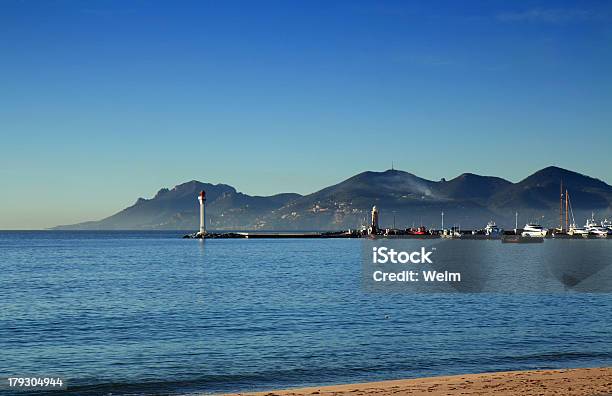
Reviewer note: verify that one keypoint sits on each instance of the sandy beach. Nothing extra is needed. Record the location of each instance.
(573, 382)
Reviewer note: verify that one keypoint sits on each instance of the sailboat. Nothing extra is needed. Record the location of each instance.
(574, 230)
(563, 230)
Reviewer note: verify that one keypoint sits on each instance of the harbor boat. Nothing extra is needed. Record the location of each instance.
(607, 224)
(534, 231)
(599, 232)
(454, 232)
(493, 231)
(563, 230)
(421, 230)
(595, 229)
(574, 230)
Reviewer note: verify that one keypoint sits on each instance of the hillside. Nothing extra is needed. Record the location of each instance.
(469, 200)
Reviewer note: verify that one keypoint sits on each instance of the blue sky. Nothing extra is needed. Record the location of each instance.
(102, 102)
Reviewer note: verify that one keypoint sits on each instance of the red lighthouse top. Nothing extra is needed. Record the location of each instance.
(202, 194)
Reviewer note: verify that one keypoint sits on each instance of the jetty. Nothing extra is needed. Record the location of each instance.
(269, 235)
(531, 234)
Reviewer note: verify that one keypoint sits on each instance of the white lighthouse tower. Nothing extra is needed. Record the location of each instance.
(202, 199)
(374, 225)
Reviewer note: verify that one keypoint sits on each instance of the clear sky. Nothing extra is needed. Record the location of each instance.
(102, 102)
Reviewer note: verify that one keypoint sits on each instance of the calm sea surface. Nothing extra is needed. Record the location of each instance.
(146, 313)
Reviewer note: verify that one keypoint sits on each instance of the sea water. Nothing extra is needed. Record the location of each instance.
(151, 313)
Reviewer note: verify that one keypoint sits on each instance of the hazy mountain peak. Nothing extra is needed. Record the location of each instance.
(554, 175)
(468, 175)
(469, 199)
(554, 171)
(472, 186)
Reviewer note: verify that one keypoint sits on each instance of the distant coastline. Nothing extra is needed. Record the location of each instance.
(469, 201)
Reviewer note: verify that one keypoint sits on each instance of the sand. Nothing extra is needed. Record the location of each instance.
(572, 382)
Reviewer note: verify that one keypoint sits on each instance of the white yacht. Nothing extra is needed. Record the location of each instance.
(577, 231)
(534, 230)
(595, 229)
(591, 227)
(607, 224)
(492, 231)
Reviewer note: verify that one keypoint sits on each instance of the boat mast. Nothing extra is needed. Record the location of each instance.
(515, 221)
(561, 207)
(566, 210)
(571, 210)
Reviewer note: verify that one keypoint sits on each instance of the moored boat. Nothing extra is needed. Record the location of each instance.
(595, 229)
(574, 230)
(493, 231)
(607, 224)
(534, 230)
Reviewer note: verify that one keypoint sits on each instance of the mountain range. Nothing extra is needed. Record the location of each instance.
(468, 200)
